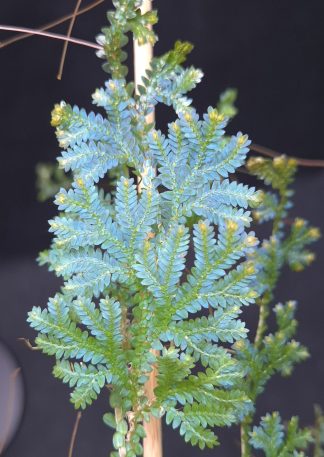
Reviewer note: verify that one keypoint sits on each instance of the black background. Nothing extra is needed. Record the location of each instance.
(273, 53)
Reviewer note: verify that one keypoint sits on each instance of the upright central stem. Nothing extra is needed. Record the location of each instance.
(153, 441)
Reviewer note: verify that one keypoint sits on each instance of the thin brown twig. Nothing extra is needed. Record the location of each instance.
(313, 163)
(66, 44)
(50, 25)
(27, 343)
(74, 433)
(10, 408)
(55, 36)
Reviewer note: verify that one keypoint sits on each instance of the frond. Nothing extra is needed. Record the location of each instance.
(278, 173)
(87, 271)
(90, 161)
(194, 421)
(88, 380)
(171, 257)
(226, 104)
(119, 106)
(231, 245)
(74, 233)
(221, 326)
(230, 193)
(266, 211)
(233, 155)
(279, 351)
(89, 222)
(146, 269)
(191, 429)
(176, 383)
(217, 358)
(66, 340)
(134, 216)
(271, 438)
(75, 126)
(300, 236)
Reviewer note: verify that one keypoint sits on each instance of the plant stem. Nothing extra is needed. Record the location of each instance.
(74, 433)
(65, 46)
(312, 163)
(245, 429)
(262, 323)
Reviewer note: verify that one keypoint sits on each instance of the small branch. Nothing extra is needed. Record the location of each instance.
(69, 33)
(74, 433)
(55, 36)
(301, 162)
(27, 343)
(10, 408)
(50, 25)
(262, 324)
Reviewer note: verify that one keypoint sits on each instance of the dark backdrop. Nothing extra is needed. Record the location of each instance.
(272, 52)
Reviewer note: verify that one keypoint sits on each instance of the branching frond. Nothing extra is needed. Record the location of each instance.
(270, 436)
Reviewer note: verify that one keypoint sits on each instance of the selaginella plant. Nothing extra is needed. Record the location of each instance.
(157, 271)
(276, 352)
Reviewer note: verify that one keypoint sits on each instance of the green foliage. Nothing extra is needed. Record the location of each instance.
(126, 18)
(287, 243)
(274, 442)
(226, 104)
(275, 352)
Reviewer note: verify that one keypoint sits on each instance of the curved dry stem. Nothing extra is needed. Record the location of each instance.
(69, 33)
(55, 36)
(312, 163)
(50, 25)
(74, 434)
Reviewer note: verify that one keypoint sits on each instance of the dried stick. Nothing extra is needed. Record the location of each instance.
(69, 33)
(74, 433)
(50, 25)
(28, 344)
(302, 162)
(55, 36)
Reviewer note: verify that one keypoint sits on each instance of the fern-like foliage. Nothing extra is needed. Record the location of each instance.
(276, 352)
(129, 284)
(274, 441)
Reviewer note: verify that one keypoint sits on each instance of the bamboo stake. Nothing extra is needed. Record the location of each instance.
(143, 55)
(152, 444)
